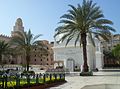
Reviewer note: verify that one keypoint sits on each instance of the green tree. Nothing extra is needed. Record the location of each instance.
(116, 51)
(4, 50)
(81, 21)
(108, 54)
(25, 42)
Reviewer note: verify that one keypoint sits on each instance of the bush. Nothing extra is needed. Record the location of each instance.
(28, 73)
(90, 73)
(2, 72)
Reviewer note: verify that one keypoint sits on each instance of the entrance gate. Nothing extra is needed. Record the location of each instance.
(70, 64)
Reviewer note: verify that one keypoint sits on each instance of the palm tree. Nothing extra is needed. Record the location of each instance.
(81, 21)
(4, 50)
(25, 42)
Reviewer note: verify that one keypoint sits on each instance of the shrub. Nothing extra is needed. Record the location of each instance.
(2, 72)
(25, 73)
(90, 73)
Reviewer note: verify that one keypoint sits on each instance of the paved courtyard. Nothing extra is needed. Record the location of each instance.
(77, 82)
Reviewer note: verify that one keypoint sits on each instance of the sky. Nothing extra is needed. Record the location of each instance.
(42, 16)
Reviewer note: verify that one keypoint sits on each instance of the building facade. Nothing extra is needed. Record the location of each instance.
(73, 56)
(109, 45)
(42, 58)
(109, 60)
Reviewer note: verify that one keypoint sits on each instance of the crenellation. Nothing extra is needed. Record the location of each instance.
(6, 36)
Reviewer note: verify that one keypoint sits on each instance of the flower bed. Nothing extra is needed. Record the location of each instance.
(44, 86)
(43, 81)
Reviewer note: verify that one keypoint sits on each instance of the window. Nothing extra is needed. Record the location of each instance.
(47, 59)
(35, 55)
(35, 59)
(47, 64)
(41, 59)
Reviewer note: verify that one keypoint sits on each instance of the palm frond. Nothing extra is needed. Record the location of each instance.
(85, 18)
(69, 39)
(73, 8)
(67, 16)
(67, 22)
(91, 38)
(78, 38)
(35, 38)
(104, 27)
(104, 21)
(29, 37)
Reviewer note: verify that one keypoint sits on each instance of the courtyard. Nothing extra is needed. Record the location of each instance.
(74, 53)
(78, 82)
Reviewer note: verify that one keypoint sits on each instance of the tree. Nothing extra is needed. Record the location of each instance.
(25, 42)
(116, 51)
(81, 21)
(4, 50)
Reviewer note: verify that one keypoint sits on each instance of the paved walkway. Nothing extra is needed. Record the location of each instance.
(77, 82)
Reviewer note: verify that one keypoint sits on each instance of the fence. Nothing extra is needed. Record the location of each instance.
(20, 80)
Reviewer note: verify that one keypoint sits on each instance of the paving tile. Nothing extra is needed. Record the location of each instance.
(77, 82)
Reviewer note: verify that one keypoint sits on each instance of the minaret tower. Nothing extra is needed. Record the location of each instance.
(18, 26)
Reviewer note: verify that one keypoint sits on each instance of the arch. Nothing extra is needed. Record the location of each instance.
(70, 64)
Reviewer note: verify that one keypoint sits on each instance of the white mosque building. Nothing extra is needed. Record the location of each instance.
(72, 56)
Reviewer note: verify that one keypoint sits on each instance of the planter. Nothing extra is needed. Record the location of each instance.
(35, 87)
(44, 86)
(90, 73)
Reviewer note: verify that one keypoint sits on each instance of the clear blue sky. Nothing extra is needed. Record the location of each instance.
(42, 16)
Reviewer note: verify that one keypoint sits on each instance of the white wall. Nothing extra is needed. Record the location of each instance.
(62, 53)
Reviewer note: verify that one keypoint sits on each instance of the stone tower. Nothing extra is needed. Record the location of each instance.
(18, 26)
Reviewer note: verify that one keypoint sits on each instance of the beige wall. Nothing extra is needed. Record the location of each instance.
(36, 59)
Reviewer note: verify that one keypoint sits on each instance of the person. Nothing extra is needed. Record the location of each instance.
(16, 68)
(96, 69)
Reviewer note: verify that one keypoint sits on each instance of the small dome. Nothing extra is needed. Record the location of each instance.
(19, 22)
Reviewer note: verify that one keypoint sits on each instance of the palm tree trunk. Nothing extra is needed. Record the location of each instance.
(0, 59)
(1, 62)
(28, 61)
(84, 43)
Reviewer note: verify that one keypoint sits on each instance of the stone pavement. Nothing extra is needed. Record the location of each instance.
(77, 82)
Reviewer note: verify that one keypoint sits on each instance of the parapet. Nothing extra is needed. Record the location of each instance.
(5, 36)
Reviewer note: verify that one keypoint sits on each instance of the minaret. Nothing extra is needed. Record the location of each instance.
(18, 26)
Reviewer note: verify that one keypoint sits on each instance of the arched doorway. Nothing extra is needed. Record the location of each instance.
(70, 64)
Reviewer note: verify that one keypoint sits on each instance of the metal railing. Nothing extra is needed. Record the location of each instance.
(20, 80)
